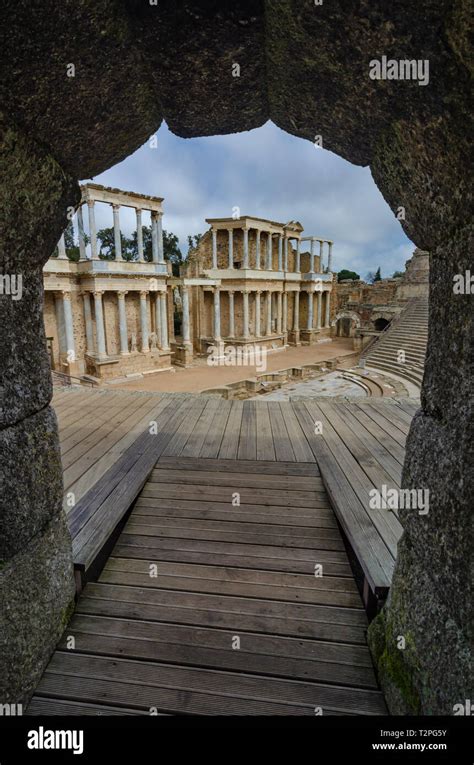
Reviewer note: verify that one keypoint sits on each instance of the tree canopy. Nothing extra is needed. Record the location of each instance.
(345, 274)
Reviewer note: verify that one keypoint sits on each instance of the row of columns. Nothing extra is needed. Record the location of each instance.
(268, 252)
(282, 250)
(156, 235)
(281, 312)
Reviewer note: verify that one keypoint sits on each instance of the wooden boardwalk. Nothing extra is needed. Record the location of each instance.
(209, 603)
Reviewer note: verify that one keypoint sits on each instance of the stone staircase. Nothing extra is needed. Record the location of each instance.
(409, 333)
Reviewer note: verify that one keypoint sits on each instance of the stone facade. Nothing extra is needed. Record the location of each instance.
(250, 283)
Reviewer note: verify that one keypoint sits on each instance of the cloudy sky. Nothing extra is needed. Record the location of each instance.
(268, 174)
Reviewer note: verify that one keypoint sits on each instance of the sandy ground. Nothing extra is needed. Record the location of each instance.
(201, 376)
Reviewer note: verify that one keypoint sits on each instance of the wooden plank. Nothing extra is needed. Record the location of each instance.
(298, 440)
(391, 444)
(230, 440)
(249, 480)
(239, 466)
(247, 449)
(225, 494)
(178, 440)
(213, 439)
(283, 448)
(197, 436)
(265, 449)
(196, 691)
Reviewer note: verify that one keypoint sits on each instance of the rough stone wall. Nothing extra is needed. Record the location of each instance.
(36, 577)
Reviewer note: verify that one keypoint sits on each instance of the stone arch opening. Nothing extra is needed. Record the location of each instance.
(380, 324)
(56, 134)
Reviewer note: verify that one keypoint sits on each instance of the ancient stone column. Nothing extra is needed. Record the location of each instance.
(62, 248)
(257, 313)
(320, 300)
(122, 322)
(268, 327)
(164, 321)
(214, 248)
(285, 254)
(217, 314)
(231, 314)
(99, 324)
(257, 249)
(269, 252)
(298, 255)
(80, 233)
(92, 228)
(309, 324)
(185, 303)
(321, 267)
(231, 247)
(313, 254)
(69, 328)
(330, 256)
(285, 313)
(159, 230)
(245, 301)
(246, 248)
(158, 319)
(279, 312)
(144, 321)
(296, 312)
(326, 318)
(88, 322)
(154, 238)
(138, 213)
(280, 252)
(117, 235)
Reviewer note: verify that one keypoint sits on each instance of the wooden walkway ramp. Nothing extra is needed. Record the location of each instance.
(229, 591)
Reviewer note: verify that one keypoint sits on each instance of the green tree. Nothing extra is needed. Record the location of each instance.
(106, 237)
(378, 275)
(397, 274)
(345, 274)
(72, 249)
(193, 241)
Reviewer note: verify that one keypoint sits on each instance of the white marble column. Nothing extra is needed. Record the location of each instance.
(246, 315)
(99, 324)
(88, 322)
(138, 213)
(144, 321)
(217, 315)
(122, 323)
(117, 236)
(313, 254)
(214, 248)
(92, 229)
(231, 314)
(279, 312)
(309, 324)
(268, 327)
(186, 335)
(285, 313)
(154, 238)
(257, 314)
(319, 310)
(285, 254)
(159, 232)
(246, 248)
(269, 264)
(231, 247)
(280, 252)
(321, 267)
(69, 328)
(257, 250)
(158, 319)
(330, 256)
(62, 248)
(164, 321)
(80, 234)
(298, 257)
(327, 313)
(296, 311)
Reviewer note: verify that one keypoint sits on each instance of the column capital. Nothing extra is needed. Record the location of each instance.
(90, 203)
(121, 294)
(115, 206)
(144, 293)
(155, 214)
(98, 293)
(65, 295)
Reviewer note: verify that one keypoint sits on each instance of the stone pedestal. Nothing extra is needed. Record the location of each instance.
(183, 355)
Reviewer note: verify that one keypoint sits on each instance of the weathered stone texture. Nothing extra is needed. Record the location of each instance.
(36, 601)
(31, 480)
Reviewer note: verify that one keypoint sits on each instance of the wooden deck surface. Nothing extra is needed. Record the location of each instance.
(210, 605)
(225, 570)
